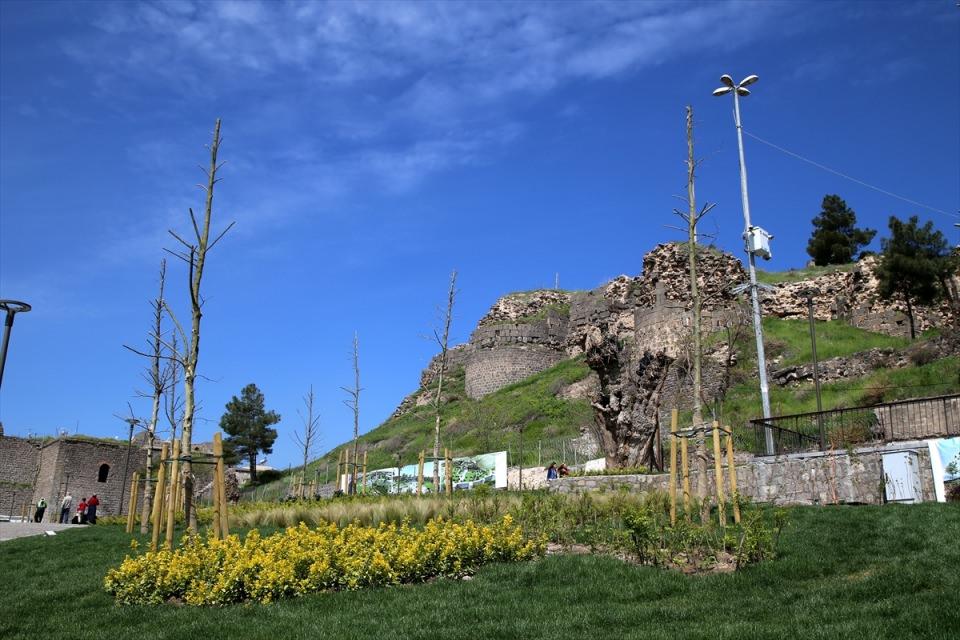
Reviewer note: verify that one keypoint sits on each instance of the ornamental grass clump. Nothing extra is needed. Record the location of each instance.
(302, 560)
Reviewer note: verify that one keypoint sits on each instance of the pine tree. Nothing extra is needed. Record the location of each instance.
(836, 238)
(247, 422)
(914, 262)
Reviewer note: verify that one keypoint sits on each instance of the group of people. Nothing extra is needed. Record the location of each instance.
(86, 510)
(554, 472)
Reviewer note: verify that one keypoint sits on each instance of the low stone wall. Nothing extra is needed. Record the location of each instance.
(829, 477)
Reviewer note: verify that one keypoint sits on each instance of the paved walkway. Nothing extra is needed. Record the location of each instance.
(11, 530)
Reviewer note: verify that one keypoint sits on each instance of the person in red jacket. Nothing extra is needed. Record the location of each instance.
(92, 504)
(82, 511)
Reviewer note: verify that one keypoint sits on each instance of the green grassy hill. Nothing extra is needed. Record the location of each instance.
(475, 426)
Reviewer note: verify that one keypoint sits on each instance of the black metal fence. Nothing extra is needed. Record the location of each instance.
(840, 428)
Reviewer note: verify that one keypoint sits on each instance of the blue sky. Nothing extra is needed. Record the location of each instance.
(373, 147)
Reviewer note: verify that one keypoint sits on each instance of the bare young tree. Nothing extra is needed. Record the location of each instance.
(194, 254)
(443, 342)
(172, 403)
(307, 440)
(354, 403)
(158, 385)
(692, 216)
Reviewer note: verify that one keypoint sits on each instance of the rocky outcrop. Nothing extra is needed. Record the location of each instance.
(517, 307)
(635, 332)
(852, 294)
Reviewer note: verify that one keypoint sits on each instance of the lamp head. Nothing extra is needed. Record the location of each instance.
(749, 80)
(727, 80)
(722, 91)
(742, 91)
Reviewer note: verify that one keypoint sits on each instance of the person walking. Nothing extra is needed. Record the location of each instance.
(41, 508)
(92, 504)
(65, 508)
(82, 511)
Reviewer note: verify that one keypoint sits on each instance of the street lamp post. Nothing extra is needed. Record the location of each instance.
(756, 240)
(12, 307)
(809, 293)
(126, 466)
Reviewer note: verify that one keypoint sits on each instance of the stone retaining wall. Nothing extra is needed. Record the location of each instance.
(812, 478)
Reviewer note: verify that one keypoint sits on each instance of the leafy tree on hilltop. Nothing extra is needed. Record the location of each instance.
(835, 238)
(247, 423)
(913, 265)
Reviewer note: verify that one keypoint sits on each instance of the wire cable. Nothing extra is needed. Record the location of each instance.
(845, 176)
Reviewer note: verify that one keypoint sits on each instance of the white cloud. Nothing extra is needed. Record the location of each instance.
(331, 99)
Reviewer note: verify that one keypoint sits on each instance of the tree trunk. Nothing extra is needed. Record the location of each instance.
(913, 331)
(198, 256)
(158, 389)
(695, 304)
(253, 466)
(444, 342)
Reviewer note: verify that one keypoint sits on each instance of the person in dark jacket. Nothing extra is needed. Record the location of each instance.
(552, 471)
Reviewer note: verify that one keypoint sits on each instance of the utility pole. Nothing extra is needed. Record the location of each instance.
(756, 240)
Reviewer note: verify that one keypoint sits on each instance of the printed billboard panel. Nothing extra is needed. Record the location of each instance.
(945, 461)
(468, 472)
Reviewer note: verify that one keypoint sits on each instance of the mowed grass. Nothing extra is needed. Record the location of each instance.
(843, 572)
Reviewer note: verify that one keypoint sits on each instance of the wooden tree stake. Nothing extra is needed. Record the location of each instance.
(732, 471)
(685, 469)
(158, 498)
(420, 473)
(172, 506)
(363, 474)
(718, 471)
(132, 505)
(220, 485)
(674, 417)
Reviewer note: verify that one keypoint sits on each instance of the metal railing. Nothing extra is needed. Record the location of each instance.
(839, 428)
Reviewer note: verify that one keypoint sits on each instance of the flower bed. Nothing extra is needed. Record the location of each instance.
(302, 560)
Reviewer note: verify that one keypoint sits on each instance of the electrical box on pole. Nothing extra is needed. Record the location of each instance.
(758, 242)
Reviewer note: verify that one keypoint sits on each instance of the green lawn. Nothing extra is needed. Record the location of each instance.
(843, 572)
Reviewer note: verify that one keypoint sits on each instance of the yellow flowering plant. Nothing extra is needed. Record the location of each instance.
(302, 560)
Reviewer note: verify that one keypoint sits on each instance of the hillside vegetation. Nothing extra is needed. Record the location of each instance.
(787, 343)
(478, 426)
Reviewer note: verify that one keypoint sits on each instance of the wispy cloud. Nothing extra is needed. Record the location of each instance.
(324, 101)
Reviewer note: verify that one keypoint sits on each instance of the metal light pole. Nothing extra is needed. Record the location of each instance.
(809, 293)
(12, 307)
(126, 466)
(756, 242)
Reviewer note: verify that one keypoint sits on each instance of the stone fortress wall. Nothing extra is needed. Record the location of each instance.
(525, 333)
(31, 469)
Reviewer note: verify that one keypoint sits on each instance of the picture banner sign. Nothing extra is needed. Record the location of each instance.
(468, 472)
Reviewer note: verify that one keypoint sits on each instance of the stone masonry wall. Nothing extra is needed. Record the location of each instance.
(507, 352)
(83, 460)
(815, 478)
(18, 468)
(492, 369)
